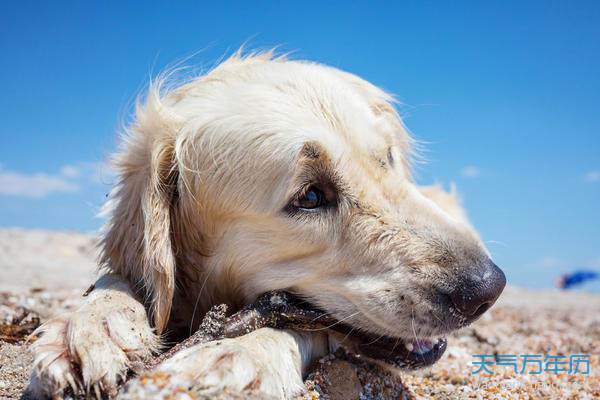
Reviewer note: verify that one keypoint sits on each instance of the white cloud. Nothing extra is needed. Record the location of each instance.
(34, 185)
(70, 171)
(470, 171)
(592, 176)
(70, 178)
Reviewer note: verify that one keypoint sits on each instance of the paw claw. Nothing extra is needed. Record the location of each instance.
(87, 354)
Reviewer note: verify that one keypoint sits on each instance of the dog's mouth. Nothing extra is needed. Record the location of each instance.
(284, 310)
(399, 352)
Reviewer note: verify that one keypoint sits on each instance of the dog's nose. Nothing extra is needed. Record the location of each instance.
(478, 290)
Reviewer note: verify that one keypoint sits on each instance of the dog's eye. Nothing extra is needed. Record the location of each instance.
(312, 198)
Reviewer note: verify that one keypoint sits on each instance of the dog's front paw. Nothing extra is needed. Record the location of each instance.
(90, 350)
(245, 366)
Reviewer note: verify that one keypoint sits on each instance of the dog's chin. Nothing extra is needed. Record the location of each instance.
(399, 352)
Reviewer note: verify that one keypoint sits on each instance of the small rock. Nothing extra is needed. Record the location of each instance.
(341, 381)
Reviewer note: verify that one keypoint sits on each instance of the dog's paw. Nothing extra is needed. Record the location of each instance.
(241, 366)
(90, 351)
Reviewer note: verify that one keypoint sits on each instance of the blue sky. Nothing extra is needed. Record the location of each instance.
(506, 96)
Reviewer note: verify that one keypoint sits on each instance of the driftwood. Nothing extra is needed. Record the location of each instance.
(272, 310)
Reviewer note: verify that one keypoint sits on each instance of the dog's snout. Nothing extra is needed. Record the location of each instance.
(478, 289)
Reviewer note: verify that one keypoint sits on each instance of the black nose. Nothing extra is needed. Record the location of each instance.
(478, 289)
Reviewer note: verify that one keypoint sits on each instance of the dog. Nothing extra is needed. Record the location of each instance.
(268, 174)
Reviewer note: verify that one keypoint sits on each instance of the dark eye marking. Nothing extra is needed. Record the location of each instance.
(390, 157)
(317, 185)
(311, 151)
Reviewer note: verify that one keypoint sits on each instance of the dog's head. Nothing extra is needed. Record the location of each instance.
(269, 174)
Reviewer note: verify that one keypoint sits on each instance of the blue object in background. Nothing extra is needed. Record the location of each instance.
(576, 278)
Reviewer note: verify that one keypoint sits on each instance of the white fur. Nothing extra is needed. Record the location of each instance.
(267, 361)
(103, 337)
(198, 218)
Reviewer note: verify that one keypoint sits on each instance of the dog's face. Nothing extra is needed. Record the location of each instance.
(295, 176)
(300, 177)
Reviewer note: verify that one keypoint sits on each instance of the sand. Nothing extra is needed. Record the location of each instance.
(44, 273)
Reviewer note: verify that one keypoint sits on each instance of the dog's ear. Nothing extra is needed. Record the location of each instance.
(138, 240)
(449, 202)
(158, 201)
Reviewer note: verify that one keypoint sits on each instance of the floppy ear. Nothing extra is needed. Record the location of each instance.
(447, 201)
(138, 239)
(158, 201)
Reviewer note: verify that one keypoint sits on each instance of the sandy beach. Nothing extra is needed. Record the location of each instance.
(44, 273)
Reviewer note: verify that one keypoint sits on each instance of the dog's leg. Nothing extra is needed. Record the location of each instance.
(268, 362)
(91, 349)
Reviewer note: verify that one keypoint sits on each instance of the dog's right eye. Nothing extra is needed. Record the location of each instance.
(312, 199)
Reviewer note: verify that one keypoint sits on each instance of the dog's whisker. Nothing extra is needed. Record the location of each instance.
(198, 299)
(194, 312)
(325, 314)
(412, 323)
(395, 345)
(497, 242)
(334, 324)
(376, 340)
(348, 334)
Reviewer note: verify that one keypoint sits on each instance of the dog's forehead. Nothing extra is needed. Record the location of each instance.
(261, 107)
(295, 93)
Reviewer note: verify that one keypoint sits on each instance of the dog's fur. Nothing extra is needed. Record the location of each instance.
(203, 214)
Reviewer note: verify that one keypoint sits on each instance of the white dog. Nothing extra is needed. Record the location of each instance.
(268, 174)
